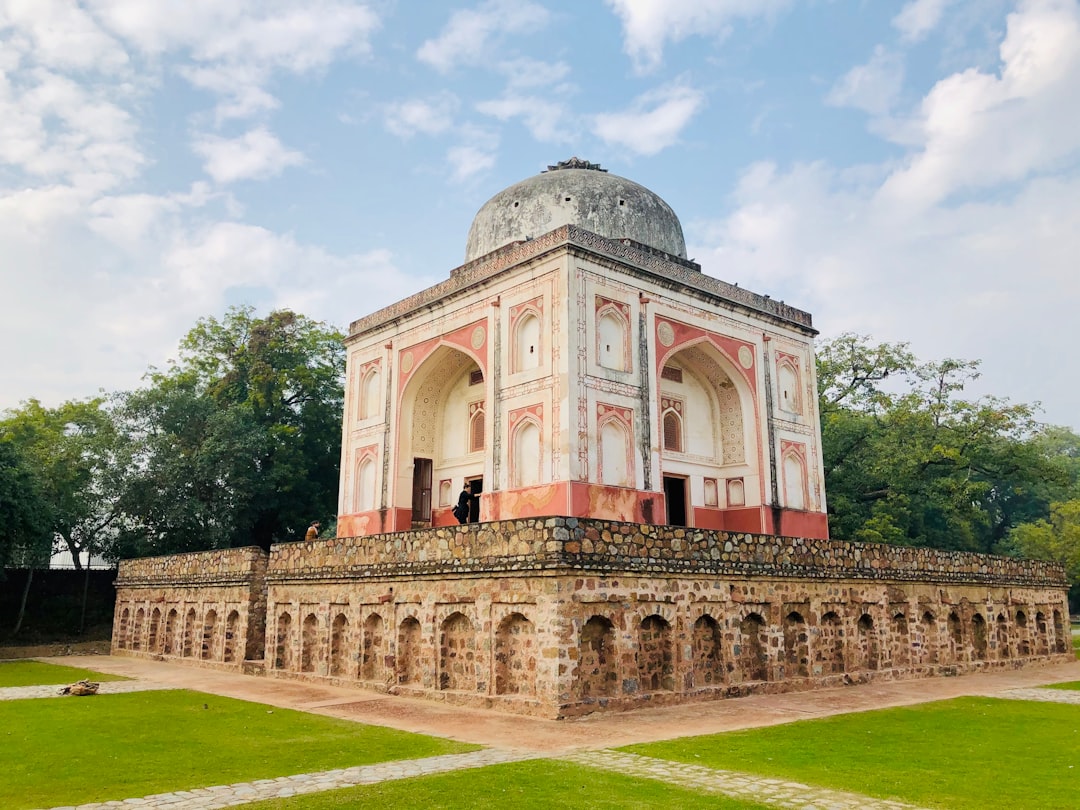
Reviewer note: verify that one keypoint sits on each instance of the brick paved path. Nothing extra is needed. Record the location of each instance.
(1045, 695)
(749, 787)
(211, 798)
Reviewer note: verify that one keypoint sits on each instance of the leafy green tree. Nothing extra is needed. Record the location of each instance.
(238, 442)
(24, 536)
(1056, 539)
(72, 450)
(908, 459)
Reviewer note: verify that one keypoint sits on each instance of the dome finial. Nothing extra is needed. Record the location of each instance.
(574, 163)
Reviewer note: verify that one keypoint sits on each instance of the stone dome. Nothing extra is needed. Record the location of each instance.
(575, 192)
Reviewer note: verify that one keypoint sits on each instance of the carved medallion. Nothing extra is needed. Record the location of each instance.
(406, 362)
(746, 357)
(479, 334)
(665, 333)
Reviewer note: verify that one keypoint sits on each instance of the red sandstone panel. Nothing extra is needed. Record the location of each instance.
(802, 524)
(616, 503)
(709, 519)
(542, 501)
(749, 519)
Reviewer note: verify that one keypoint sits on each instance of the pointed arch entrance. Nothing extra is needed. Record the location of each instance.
(442, 436)
(707, 436)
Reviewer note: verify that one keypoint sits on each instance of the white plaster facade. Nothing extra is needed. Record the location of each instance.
(579, 374)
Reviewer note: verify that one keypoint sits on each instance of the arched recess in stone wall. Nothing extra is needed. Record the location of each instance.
(978, 637)
(515, 656)
(122, 638)
(339, 645)
(1061, 640)
(526, 341)
(189, 633)
(209, 636)
(283, 657)
(172, 622)
(708, 645)
(615, 452)
(796, 646)
(310, 644)
(900, 641)
(1023, 634)
(928, 640)
(439, 399)
(1003, 645)
(373, 649)
(137, 629)
(371, 400)
(655, 655)
(365, 496)
(1042, 634)
(612, 338)
(409, 663)
(956, 639)
(232, 633)
(829, 646)
(752, 660)
(596, 673)
(867, 648)
(153, 638)
(526, 443)
(457, 654)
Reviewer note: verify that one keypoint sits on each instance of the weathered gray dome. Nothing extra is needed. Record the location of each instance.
(575, 192)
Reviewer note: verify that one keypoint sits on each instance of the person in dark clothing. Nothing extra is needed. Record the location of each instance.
(464, 504)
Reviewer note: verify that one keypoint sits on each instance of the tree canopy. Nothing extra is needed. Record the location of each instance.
(238, 442)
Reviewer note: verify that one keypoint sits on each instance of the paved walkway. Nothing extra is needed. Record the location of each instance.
(1045, 695)
(212, 798)
(749, 787)
(585, 741)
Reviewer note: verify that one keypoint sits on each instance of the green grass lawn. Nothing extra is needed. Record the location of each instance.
(975, 753)
(59, 751)
(536, 784)
(34, 673)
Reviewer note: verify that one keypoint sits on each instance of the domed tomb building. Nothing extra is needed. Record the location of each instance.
(579, 364)
(593, 385)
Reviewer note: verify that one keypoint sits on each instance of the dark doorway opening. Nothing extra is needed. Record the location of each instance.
(477, 486)
(675, 495)
(421, 490)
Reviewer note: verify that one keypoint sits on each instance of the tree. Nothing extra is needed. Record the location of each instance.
(238, 442)
(1056, 539)
(24, 535)
(72, 449)
(909, 460)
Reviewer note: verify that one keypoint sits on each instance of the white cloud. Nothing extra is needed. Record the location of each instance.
(977, 130)
(524, 73)
(255, 155)
(61, 35)
(468, 161)
(471, 35)
(918, 18)
(648, 25)
(653, 121)
(873, 87)
(430, 116)
(547, 121)
(234, 48)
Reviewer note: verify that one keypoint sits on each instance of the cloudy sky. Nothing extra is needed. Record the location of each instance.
(909, 170)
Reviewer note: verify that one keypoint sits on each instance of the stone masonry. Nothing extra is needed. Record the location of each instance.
(557, 617)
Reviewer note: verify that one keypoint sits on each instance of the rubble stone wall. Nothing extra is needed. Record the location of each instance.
(208, 607)
(558, 617)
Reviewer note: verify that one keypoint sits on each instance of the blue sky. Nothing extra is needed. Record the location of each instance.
(908, 170)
